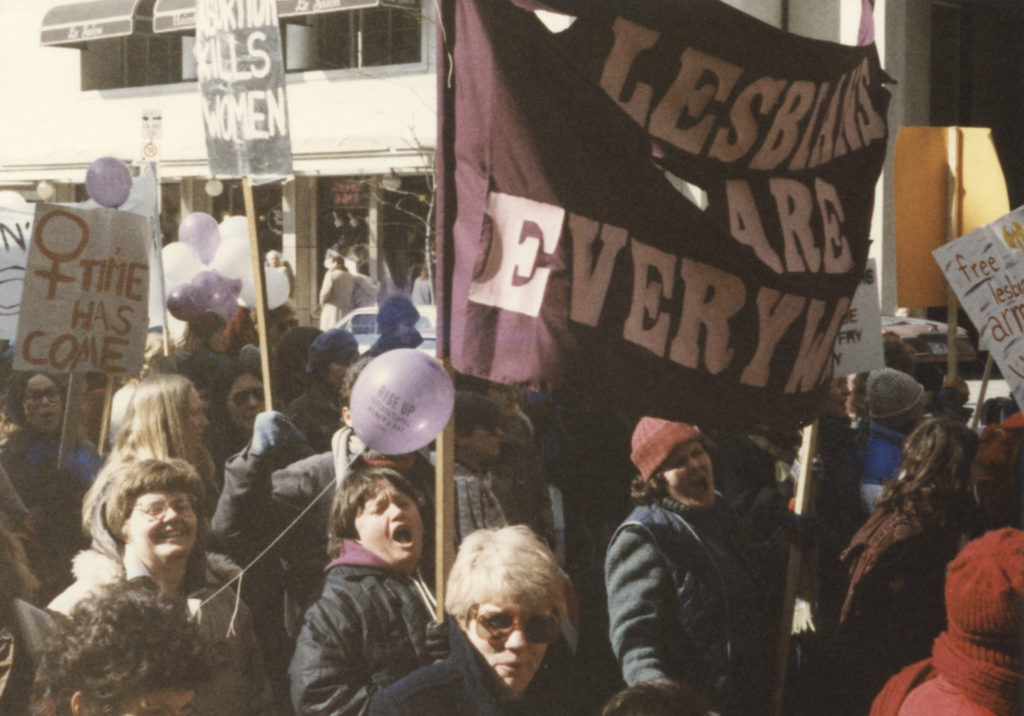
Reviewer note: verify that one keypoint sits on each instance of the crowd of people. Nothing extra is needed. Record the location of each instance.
(201, 554)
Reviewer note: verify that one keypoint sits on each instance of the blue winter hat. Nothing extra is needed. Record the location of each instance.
(334, 346)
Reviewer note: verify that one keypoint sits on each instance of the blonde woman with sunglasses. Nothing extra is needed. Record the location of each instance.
(506, 599)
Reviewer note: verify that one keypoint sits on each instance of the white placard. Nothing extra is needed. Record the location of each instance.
(986, 276)
(859, 346)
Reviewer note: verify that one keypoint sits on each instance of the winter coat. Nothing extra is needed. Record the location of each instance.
(335, 297)
(260, 499)
(26, 629)
(687, 600)
(894, 607)
(237, 683)
(882, 454)
(462, 685)
(53, 497)
(954, 681)
(367, 630)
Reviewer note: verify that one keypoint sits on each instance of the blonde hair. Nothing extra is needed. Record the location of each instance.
(153, 429)
(509, 565)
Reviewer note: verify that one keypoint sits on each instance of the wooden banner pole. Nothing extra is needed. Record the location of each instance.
(108, 402)
(444, 517)
(259, 281)
(952, 232)
(981, 392)
(72, 418)
(808, 451)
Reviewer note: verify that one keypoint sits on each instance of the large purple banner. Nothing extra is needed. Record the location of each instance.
(577, 257)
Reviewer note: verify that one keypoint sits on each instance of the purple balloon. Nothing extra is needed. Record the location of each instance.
(225, 307)
(205, 285)
(401, 401)
(182, 305)
(201, 232)
(109, 182)
(224, 300)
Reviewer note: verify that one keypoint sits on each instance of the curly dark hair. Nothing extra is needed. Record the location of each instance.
(359, 487)
(935, 481)
(655, 697)
(124, 642)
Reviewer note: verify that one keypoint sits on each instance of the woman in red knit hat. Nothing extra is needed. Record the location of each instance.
(687, 594)
(975, 668)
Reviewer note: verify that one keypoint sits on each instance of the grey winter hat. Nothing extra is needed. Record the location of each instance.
(892, 393)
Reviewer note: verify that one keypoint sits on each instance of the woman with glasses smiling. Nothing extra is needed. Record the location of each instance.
(506, 596)
(153, 512)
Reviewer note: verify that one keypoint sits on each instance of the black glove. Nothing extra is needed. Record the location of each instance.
(272, 430)
(437, 640)
(803, 530)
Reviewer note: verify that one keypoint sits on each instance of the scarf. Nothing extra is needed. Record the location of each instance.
(986, 684)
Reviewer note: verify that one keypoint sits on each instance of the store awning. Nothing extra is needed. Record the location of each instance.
(76, 23)
(180, 15)
(300, 8)
(174, 15)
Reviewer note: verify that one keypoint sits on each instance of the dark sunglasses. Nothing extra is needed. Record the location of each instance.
(496, 627)
(242, 397)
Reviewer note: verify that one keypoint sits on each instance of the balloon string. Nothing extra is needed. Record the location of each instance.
(286, 530)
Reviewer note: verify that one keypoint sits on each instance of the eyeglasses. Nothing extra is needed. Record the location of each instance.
(155, 510)
(242, 397)
(496, 627)
(50, 395)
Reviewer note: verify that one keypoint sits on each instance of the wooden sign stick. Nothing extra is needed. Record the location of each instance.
(259, 281)
(808, 451)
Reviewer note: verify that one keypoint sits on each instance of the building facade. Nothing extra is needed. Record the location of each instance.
(117, 77)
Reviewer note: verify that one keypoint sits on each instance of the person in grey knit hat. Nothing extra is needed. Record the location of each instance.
(895, 407)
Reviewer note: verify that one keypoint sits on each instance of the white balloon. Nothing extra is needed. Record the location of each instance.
(233, 259)
(277, 288)
(12, 200)
(45, 190)
(247, 298)
(181, 264)
(234, 227)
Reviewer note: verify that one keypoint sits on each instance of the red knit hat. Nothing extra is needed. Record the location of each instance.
(654, 439)
(985, 598)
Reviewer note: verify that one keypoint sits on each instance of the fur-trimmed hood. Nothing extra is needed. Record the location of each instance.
(94, 570)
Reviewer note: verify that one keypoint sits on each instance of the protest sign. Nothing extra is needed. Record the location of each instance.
(988, 278)
(86, 291)
(15, 232)
(143, 201)
(574, 266)
(859, 346)
(241, 76)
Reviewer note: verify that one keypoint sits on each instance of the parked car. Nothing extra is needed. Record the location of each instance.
(362, 323)
(929, 339)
